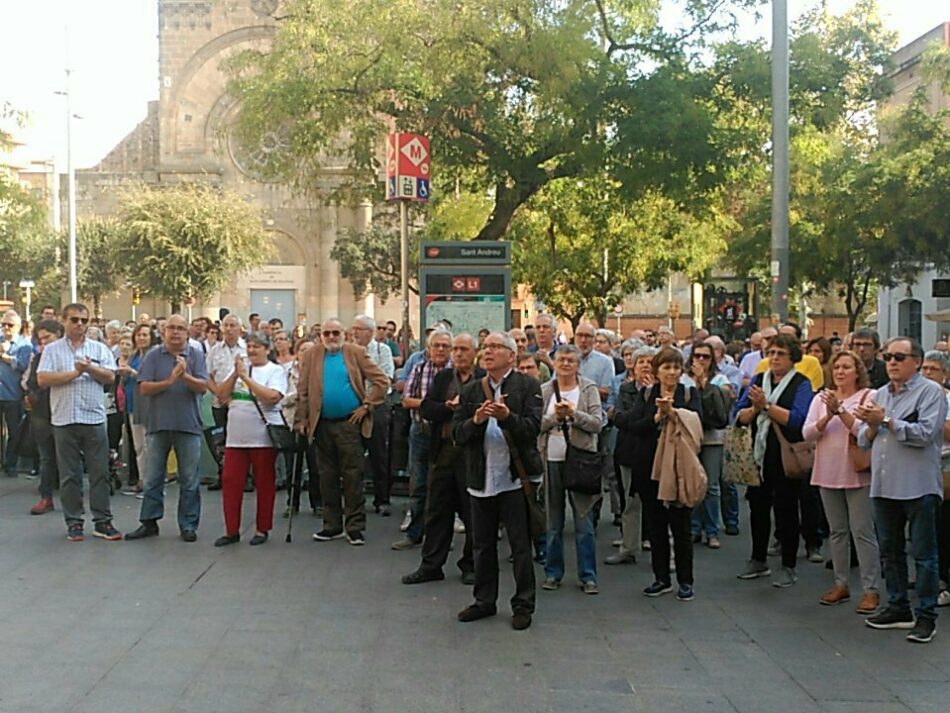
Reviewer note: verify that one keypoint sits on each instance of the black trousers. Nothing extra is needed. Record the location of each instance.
(133, 461)
(781, 494)
(11, 412)
(664, 521)
(378, 461)
(220, 416)
(446, 496)
(511, 509)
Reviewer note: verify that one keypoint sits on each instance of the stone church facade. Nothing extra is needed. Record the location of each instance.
(184, 137)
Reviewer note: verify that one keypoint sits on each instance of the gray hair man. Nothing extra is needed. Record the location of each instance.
(220, 366)
(364, 331)
(15, 354)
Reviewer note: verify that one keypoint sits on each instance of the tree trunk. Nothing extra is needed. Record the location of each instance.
(507, 200)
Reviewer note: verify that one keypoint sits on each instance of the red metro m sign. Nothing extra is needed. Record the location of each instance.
(407, 167)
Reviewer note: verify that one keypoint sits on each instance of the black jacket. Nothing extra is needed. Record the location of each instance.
(434, 410)
(523, 398)
(639, 433)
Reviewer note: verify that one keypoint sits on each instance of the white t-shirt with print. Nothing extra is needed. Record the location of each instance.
(245, 427)
(557, 446)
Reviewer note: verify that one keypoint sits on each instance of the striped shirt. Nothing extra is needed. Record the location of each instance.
(82, 400)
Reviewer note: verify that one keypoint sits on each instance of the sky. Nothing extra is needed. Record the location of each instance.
(111, 47)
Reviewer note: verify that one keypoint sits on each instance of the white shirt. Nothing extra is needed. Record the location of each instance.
(557, 445)
(381, 356)
(221, 363)
(245, 427)
(498, 475)
(82, 400)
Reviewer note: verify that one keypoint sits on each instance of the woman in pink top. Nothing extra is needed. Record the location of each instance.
(845, 492)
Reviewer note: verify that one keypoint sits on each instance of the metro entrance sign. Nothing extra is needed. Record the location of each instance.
(407, 167)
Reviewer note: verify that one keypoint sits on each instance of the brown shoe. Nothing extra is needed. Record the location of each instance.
(869, 603)
(835, 595)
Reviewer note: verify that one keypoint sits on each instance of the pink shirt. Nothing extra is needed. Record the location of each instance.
(833, 467)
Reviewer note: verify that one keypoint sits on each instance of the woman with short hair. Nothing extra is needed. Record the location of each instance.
(252, 391)
(845, 491)
(778, 398)
(571, 403)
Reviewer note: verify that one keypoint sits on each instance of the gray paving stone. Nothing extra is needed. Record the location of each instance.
(170, 627)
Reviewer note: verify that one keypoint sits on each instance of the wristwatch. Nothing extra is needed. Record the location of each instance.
(886, 423)
(840, 410)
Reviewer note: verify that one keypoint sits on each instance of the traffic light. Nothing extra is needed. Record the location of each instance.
(24, 296)
(136, 295)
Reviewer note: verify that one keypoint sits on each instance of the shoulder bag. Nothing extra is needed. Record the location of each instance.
(860, 457)
(797, 458)
(738, 462)
(582, 469)
(282, 437)
(534, 497)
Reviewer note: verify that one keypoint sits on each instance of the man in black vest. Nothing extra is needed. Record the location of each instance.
(446, 494)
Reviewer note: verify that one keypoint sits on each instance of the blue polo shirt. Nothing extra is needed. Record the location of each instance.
(177, 408)
(339, 398)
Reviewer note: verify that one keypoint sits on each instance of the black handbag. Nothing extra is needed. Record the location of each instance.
(282, 437)
(582, 469)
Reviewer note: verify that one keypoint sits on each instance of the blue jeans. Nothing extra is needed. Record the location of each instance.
(729, 501)
(418, 479)
(706, 514)
(584, 539)
(188, 452)
(891, 516)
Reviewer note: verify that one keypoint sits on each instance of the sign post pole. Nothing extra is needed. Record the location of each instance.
(404, 270)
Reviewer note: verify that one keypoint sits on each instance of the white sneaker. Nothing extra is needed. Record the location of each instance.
(406, 521)
(943, 599)
(459, 526)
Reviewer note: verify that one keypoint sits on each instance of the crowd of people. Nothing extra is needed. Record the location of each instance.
(837, 440)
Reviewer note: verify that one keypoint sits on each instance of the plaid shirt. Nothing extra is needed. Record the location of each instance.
(420, 381)
(82, 400)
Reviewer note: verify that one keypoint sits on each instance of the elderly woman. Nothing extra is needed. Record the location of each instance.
(283, 349)
(571, 407)
(778, 398)
(629, 386)
(252, 391)
(936, 367)
(845, 492)
(715, 393)
(136, 407)
(645, 423)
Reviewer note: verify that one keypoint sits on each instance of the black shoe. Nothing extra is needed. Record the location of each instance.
(384, 510)
(249, 487)
(227, 540)
(474, 612)
(189, 535)
(420, 576)
(258, 539)
(923, 631)
(520, 620)
(216, 485)
(326, 535)
(148, 528)
(891, 619)
(732, 530)
(468, 578)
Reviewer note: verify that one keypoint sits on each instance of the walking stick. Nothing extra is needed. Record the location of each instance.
(296, 480)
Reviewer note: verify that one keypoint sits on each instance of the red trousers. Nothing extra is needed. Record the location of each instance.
(237, 461)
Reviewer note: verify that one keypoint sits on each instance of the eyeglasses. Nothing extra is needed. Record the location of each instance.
(9, 324)
(896, 356)
(776, 353)
(495, 347)
(704, 357)
(332, 332)
(79, 320)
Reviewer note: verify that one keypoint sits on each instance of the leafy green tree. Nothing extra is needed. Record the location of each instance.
(188, 239)
(514, 95)
(99, 271)
(581, 248)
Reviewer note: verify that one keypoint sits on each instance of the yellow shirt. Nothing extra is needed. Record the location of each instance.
(808, 367)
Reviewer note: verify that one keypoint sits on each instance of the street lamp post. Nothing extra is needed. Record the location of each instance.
(780, 263)
(70, 193)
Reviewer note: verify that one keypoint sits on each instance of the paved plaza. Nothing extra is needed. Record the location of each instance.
(161, 626)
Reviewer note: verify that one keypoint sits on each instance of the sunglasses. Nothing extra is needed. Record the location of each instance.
(332, 332)
(704, 357)
(898, 357)
(79, 320)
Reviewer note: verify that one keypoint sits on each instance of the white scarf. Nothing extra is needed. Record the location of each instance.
(763, 422)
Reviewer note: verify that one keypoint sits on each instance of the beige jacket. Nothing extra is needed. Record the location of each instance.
(676, 466)
(361, 370)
